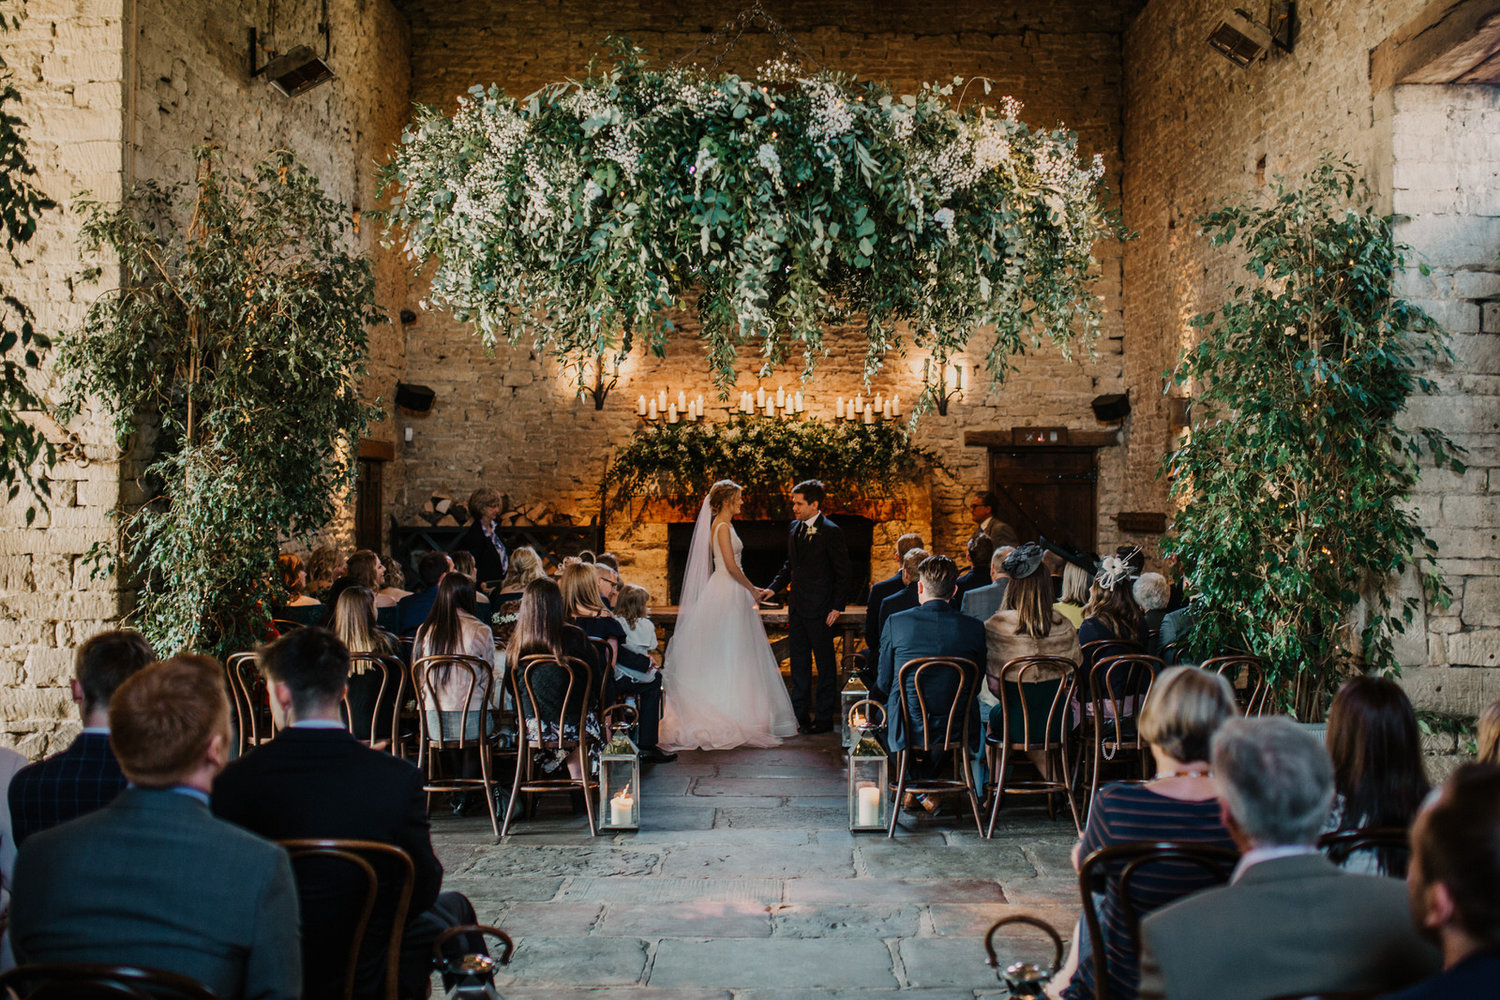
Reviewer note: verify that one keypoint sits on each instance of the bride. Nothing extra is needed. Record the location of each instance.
(722, 686)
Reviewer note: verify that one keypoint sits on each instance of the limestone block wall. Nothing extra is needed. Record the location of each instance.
(507, 419)
(1199, 129)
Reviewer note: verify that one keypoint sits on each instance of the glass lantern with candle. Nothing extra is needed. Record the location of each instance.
(869, 770)
(620, 774)
(854, 691)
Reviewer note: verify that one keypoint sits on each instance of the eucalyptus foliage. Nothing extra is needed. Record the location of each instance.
(765, 456)
(239, 340)
(577, 217)
(1296, 477)
(22, 445)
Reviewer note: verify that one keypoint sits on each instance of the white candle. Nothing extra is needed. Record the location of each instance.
(760, 397)
(770, 407)
(868, 796)
(963, 377)
(895, 406)
(869, 414)
(840, 410)
(800, 407)
(661, 401)
(681, 400)
(744, 402)
(620, 806)
(859, 407)
(889, 410)
(651, 410)
(700, 406)
(671, 413)
(640, 405)
(781, 397)
(879, 403)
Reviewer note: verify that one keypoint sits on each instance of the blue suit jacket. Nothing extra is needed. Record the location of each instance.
(413, 609)
(932, 629)
(154, 879)
(878, 593)
(983, 602)
(66, 785)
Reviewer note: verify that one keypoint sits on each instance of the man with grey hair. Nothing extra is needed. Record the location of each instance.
(1290, 922)
(983, 602)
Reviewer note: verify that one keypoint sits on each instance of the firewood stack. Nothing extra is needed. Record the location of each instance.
(441, 511)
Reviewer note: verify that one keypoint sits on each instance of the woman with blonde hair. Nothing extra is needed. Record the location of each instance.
(724, 686)
(1075, 593)
(525, 566)
(324, 566)
(355, 624)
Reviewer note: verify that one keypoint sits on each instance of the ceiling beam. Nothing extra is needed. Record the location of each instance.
(1451, 41)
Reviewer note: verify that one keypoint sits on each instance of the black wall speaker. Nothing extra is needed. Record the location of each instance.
(417, 398)
(1111, 407)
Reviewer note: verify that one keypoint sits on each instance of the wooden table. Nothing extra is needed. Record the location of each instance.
(849, 630)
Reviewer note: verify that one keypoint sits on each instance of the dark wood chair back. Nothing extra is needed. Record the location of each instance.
(98, 981)
(355, 913)
(1118, 688)
(1036, 695)
(561, 731)
(942, 731)
(1124, 863)
(1247, 675)
(251, 701)
(1391, 844)
(388, 695)
(608, 656)
(478, 674)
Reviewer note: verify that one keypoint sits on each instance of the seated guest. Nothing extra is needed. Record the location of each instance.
(879, 591)
(316, 781)
(902, 600)
(985, 601)
(982, 509)
(366, 569)
(452, 628)
(1025, 625)
(608, 559)
(412, 611)
(1172, 640)
(609, 585)
(1111, 614)
(324, 565)
(525, 566)
(1151, 594)
(633, 612)
(482, 540)
(463, 562)
(354, 624)
(85, 776)
(1489, 734)
(154, 879)
(541, 629)
(1454, 884)
(933, 628)
(1290, 922)
(634, 673)
(1378, 775)
(981, 550)
(1180, 804)
(1074, 595)
(395, 581)
(295, 604)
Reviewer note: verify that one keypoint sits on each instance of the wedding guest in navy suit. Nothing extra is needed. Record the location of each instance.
(316, 781)
(153, 879)
(817, 570)
(412, 610)
(981, 551)
(85, 776)
(933, 628)
(903, 599)
(885, 588)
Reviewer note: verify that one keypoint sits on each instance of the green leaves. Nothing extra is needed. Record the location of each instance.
(1295, 479)
(578, 217)
(238, 345)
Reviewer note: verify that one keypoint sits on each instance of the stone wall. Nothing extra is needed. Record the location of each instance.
(180, 75)
(1199, 129)
(507, 418)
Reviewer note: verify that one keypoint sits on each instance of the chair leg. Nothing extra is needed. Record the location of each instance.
(997, 773)
(1098, 753)
(523, 764)
(583, 769)
(900, 790)
(962, 757)
(489, 794)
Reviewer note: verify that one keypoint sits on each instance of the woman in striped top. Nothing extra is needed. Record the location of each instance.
(1180, 804)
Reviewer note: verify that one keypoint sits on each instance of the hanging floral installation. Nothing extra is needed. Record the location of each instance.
(580, 217)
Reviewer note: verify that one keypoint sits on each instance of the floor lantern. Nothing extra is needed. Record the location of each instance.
(869, 769)
(854, 692)
(620, 774)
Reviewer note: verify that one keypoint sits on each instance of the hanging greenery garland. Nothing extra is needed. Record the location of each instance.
(578, 217)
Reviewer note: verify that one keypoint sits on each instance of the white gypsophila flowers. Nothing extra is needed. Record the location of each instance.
(830, 116)
(1010, 108)
(991, 145)
(944, 218)
(770, 161)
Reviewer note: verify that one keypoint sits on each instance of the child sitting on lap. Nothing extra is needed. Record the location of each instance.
(631, 611)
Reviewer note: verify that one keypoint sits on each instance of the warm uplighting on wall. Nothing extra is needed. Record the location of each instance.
(946, 381)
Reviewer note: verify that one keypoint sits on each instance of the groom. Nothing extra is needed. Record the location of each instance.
(817, 567)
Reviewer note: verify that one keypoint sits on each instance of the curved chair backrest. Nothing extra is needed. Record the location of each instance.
(578, 680)
(1041, 688)
(1247, 675)
(1098, 649)
(392, 688)
(1119, 685)
(608, 656)
(357, 855)
(247, 694)
(927, 670)
(1391, 844)
(478, 674)
(91, 980)
(1125, 862)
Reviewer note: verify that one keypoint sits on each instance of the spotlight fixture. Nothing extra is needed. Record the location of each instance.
(1243, 40)
(298, 70)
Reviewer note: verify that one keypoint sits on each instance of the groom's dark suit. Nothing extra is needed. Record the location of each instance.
(817, 568)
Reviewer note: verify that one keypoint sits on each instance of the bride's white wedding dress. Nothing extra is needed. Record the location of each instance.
(722, 687)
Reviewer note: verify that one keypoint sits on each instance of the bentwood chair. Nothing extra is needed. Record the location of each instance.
(558, 733)
(943, 732)
(1118, 688)
(448, 726)
(389, 690)
(97, 981)
(250, 699)
(1035, 694)
(1187, 867)
(1247, 675)
(1390, 844)
(371, 885)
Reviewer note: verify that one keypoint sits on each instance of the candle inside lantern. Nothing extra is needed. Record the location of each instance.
(869, 414)
(651, 410)
(640, 405)
(621, 805)
(869, 803)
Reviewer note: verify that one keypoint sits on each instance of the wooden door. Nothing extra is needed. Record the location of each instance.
(1048, 492)
(367, 504)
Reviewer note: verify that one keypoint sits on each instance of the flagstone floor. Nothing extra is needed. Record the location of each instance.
(744, 883)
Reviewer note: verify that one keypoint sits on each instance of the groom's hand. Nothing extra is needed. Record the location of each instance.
(833, 616)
